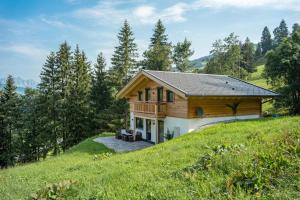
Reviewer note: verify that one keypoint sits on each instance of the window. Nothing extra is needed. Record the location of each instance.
(170, 96)
(160, 93)
(140, 95)
(139, 123)
(199, 112)
(147, 94)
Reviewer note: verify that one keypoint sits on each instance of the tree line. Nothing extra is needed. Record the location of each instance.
(75, 100)
(280, 54)
(233, 57)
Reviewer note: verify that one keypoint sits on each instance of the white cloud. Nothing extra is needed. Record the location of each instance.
(26, 50)
(114, 12)
(55, 23)
(148, 14)
(175, 12)
(271, 4)
(144, 13)
(105, 12)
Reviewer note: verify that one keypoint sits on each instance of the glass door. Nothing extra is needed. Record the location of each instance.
(148, 129)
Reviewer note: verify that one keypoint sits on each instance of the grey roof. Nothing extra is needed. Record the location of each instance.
(194, 84)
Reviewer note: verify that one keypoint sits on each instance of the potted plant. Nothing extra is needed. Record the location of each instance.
(169, 135)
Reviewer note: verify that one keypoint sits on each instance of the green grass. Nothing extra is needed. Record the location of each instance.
(178, 169)
(257, 79)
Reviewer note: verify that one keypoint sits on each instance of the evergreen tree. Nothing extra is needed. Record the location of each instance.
(77, 100)
(32, 140)
(101, 93)
(101, 97)
(296, 28)
(63, 62)
(266, 41)
(124, 58)
(50, 89)
(283, 71)
(8, 120)
(280, 33)
(181, 54)
(247, 51)
(158, 56)
(258, 51)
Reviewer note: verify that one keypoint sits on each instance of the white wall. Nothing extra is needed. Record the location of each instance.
(188, 125)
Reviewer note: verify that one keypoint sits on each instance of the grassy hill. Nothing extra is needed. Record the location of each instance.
(257, 79)
(240, 160)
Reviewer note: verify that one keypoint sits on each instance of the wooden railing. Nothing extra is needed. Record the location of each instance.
(158, 109)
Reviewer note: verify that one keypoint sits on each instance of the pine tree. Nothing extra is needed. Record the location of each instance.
(101, 97)
(280, 33)
(101, 93)
(258, 51)
(158, 56)
(296, 28)
(8, 120)
(282, 70)
(63, 62)
(124, 58)
(32, 140)
(247, 52)
(50, 89)
(77, 100)
(181, 54)
(266, 41)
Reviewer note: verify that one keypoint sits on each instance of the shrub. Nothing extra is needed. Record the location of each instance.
(56, 191)
(169, 135)
(102, 156)
(267, 169)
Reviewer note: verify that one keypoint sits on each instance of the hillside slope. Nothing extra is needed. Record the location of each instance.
(242, 160)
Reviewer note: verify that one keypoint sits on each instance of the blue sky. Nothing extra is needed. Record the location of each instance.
(30, 29)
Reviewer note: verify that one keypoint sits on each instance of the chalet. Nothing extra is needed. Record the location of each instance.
(162, 101)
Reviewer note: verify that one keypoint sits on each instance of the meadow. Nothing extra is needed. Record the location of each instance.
(236, 160)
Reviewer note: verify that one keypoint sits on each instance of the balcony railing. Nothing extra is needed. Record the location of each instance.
(158, 109)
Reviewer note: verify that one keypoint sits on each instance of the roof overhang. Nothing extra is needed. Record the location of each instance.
(139, 78)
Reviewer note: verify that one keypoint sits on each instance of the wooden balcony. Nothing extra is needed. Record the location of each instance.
(150, 109)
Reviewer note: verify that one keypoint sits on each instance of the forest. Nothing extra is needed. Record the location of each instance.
(76, 99)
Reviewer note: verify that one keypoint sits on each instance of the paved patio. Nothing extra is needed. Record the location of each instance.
(120, 145)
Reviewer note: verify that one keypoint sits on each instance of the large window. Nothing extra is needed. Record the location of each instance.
(140, 95)
(139, 123)
(170, 96)
(147, 94)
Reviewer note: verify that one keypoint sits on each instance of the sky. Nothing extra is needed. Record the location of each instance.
(30, 29)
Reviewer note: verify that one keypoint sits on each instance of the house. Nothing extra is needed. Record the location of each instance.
(162, 101)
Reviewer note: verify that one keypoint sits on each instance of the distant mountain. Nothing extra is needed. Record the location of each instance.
(20, 83)
(200, 62)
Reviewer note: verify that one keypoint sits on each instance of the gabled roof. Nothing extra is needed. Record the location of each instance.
(195, 84)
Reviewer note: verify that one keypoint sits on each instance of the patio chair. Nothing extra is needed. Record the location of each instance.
(118, 134)
(138, 136)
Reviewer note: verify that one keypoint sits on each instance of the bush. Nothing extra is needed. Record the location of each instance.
(169, 135)
(55, 191)
(267, 169)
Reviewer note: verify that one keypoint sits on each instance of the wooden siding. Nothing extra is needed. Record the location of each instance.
(216, 106)
(186, 108)
(178, 108)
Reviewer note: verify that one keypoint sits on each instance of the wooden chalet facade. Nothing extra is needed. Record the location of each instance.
(182, 102)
